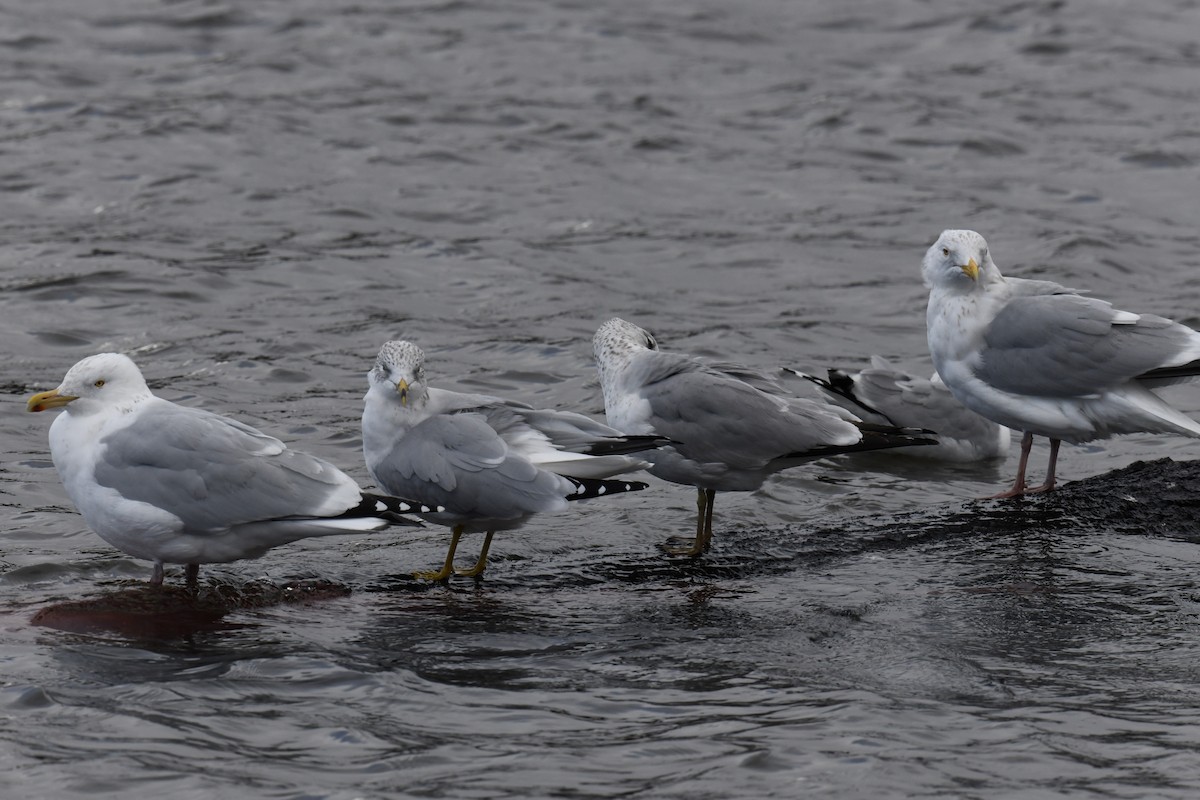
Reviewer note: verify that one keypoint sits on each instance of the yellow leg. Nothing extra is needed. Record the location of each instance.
(703, 527)
(710, 495)
(448, 568)
(481, 564)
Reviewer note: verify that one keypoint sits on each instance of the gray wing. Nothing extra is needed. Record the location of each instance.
(883, 394)
(458, 461)
(914, 402)
(756, 378)
(715, 417)
(565, 430)
(214, 472)
(1068, 345)
(1025, 287)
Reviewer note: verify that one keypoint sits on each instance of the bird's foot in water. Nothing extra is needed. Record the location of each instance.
(692, 548)
(1023, 490)
(437, 576)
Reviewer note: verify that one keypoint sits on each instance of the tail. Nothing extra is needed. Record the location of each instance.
(1158, 416)
(587, 488)
(386, 507)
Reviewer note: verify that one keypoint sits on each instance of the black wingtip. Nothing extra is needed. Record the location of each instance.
(892, 430)
(393, 509)
(841, 383)
(824, 384)
(887, 438)
(1188, 370)
(875, 437)
(838, 382)
(623, 445)
(588, 488)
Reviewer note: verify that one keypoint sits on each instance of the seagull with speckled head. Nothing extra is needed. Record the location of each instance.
(491, 462)
(1045, 360)
(728, 430)
(178, 485)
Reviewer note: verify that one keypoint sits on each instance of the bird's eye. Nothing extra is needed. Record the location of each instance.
(945, 251)
(99, 383)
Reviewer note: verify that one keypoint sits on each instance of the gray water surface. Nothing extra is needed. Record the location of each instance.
(250, 198)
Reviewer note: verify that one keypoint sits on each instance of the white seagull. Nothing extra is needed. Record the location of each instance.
(728, 430)
(492, 463)
(180, 485)
(1044, 360)
(885, 394)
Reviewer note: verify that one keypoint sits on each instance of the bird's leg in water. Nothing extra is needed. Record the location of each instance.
(481, 563)
(448, 568)
(1050, 468)
(1018, 487)
(704, 499)
(710, 496)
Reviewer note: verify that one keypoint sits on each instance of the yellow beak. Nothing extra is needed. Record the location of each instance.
(971, 270)
(402, 388)
(46, 400)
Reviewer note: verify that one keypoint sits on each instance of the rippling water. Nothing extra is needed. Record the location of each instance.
(250, 198)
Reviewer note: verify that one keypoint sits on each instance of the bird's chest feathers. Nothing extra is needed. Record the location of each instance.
(956, 324)
(384, 422)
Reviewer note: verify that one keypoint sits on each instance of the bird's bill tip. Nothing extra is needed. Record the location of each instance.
(402, 388)
(971, 270)
(43, 401)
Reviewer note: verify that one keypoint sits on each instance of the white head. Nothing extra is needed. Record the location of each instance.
(959, 260)
(399, 373)
(99, 381)
(617, 340)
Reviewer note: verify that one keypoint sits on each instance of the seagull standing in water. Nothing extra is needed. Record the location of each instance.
(728, 431)
(178, 485)
(1043, 359)
(492, 463)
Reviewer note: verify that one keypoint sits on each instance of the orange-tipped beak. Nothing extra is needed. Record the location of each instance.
(43, 401)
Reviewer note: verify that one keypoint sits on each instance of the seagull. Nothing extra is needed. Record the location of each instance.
(887, 395)
(491, 462)
(728, 430)
(179, 485)
(1047, 361)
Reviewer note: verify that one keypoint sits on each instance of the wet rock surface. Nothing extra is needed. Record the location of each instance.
(165, 612)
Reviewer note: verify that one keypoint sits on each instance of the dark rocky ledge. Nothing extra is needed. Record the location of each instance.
(1155, 498)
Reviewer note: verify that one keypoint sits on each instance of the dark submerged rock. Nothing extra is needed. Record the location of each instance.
(163, 612)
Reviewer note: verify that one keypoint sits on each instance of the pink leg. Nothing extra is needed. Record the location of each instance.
(192, 573)
(1050, 467)
(1018, 487)
(156, 577)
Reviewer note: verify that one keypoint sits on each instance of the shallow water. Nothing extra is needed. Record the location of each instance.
(249, 200)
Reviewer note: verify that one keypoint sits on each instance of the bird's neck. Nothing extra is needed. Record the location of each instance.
(953, 321)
